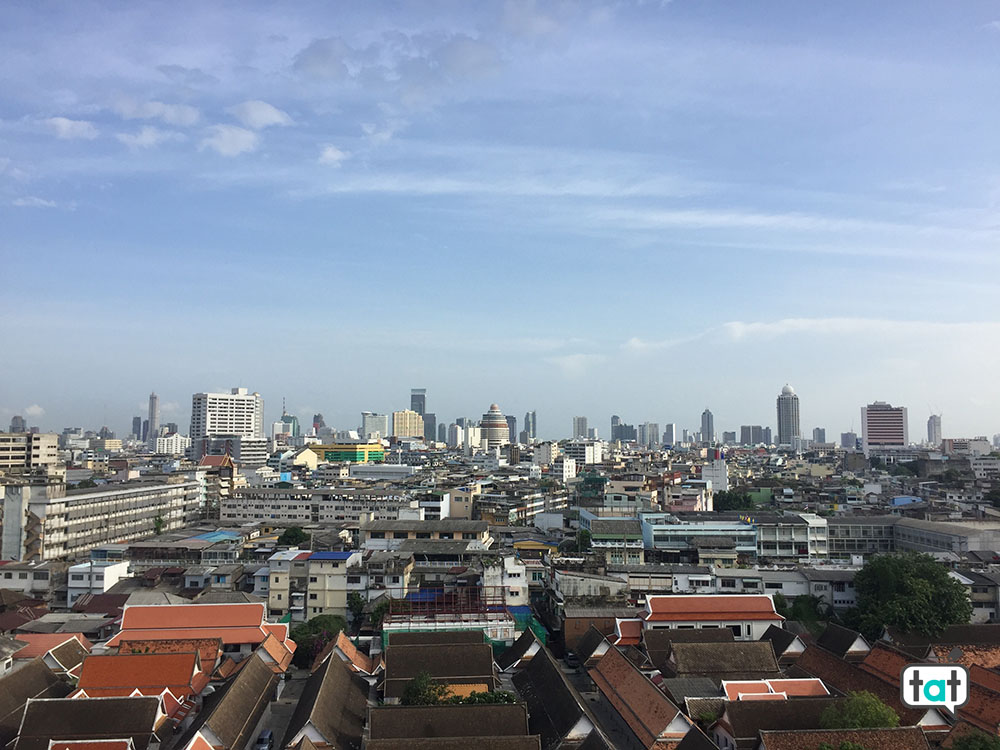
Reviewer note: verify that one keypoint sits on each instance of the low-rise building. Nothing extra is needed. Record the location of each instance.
(93, 578)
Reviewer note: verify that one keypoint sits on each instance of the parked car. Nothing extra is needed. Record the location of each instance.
(572, 660)
(265, 741)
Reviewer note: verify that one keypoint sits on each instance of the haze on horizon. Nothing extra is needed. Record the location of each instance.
(636, 208)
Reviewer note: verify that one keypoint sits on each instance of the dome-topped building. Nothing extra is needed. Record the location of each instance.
(495, 431)
(788, 416)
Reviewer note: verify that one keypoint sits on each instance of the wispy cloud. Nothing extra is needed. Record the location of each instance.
(34, 411)
(172, 114)
(256, 114)
(67, 129)
(332, 156)
(229, 140)
(148, 136)
(32, 201)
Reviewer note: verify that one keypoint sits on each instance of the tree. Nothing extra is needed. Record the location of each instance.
(993, 497)
(732, 500)
(158, 524)
(909, 591)
(293, 536)
(976, 740)
(423, 690)
(356, 604)
(582, 540)
(476, 697)
(859, 710)
(312, 637)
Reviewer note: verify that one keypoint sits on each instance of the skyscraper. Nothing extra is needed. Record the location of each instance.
(883, 427)
(430, 426)
(849, 440)
(154, 420)
(669, 433)
(318, 422)
(442, 433)
(495, 431)
(136, 427)
(237, 413)
(788, 416)
(418, 400)
(579, 427)
(934, 429)
(707, 427)
(819, 435)
(407, 423)
(293, 422)
(530, 425)
(512, 427)
(17, 424)
(373, 424)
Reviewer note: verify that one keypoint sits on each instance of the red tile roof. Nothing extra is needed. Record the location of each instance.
(755, 689)
(42, 643)
(885, 662)
(207, 648)
(982, 709)
(709, 607)
(280, 653)
(232, 623)
(120, 674)
(628, 632)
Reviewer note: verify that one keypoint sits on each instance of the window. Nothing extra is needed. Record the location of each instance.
(772, 586)
(737, 630)
(423, 535)
(400, 535)
(312, 596)
(376, 534)
(77, 576)
(313, 579)
(468, 535)
(22, 576)
(728, 583)
(446, 535)
(354, 579)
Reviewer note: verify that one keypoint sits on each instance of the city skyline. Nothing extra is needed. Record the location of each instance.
(780, 183)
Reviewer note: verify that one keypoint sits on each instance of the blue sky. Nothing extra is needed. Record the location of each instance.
(579, 208)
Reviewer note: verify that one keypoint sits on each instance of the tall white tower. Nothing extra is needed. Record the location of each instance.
(154, 420)
(788, 416)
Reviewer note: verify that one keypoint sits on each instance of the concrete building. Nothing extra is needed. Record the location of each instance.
(934, 430)
(154, 420)
(788, 416)
(93, 577)
(418, 400)
(248, 453)
(326, 588)
(374, 425)
(366, 452)
(26, 451)
(819, 435)
(669, 434)
(584, 452)
(237, 413)
(716, 471)
(531, 425)
(391, 534)
(511, 428)
(407, 423)
(173, 445)
(326, 505)
(54, 523)
(849, 440)
(495, 431)
(707, 427)
(580, 427)
(883, 428)
(430, 427)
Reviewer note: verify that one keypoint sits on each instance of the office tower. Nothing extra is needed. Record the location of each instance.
(170, 428)
(531, 425)
(17, 424)
(615, 423)
(685, 436)
(707, 427)
(292, 422)
(746, 435)
(318, 423)
(934, 429)
(669, 433)
(883, 427)
(591, 433)
(418, 400)
(461, 421)
(137, 427)
(729, 438)
(765, 436)
(849, 440)
(442, 433)
(373, 425)
(456, 436)
(237, 413)
(512, 428)
(407, 423)
(145, 431)
(430, 426)
(494, 429)
(788, 416)
(653, 434)
(154, 419)
(819, 435)
(579, 427)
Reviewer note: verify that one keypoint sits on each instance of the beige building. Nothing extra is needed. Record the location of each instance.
(326, 590)
(26, 450)
(407, 423)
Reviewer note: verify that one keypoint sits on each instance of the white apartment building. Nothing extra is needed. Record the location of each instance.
(320, 505)
(235, 413)
(49, 522)
(173, 445)
(374, 425)
(26, 450)
(93, 577)
(584, 452)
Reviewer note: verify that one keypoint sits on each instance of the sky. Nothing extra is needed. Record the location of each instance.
(581, 208)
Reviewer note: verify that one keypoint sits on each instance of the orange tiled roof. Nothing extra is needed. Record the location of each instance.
(208, 648)
(629, 632)
(355, 658)
(279, 652)
(165, 616)
(782, 689)
(983, 709)
(120, 674)
(41, 643)
(710, 607)
(885, 662)
(983, 656)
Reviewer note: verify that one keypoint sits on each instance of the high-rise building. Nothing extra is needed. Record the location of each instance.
(137, 427)
(17, 424)
(293, 424)
(765, 436)
(154, 420)
(819, 435)
(685, 436)
(729, 438)
(407, 423)
(669, 433)
(237, 413)
(883, 427)
(579, 427)
(849, 440)
(615, 423)
(430, 426)
(934, 429)
(753, 434)
(373, 424)
(418, 400)
(707, 427)
(442, 433)
(494, 430)
(531, 425)
(318, 423)
(512, 428)
(788, 416)
(456, 436)
(145, 430)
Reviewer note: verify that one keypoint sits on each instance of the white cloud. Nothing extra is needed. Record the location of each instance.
(148, 136)
(575, 365)
(878, 327)
(67, 129)
(34, 411)
(173, 114)
(332, 156)
(229, 140)
(32, 201)
(256, 114)
(324, 58)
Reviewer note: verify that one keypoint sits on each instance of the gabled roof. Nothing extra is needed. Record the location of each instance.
(885, 662)
(801, 687)
(589, 643)
(334, 702)
(92, 719)
(526, 742)
(121, 674)
(553, 706)
(842, 641)
(658, 641)
(897, 738)
(435, 637)
(779, 638)
(279, 654)
(33, 680)
(627, 632)
(641, 705)
(122, 744)
(736, 660)
(41, 643)
(521, 648)
(744, 719)
(709, 608)
(457, 664)
(234, 623)
(479, 721)
(69, 655)
(208, 648)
